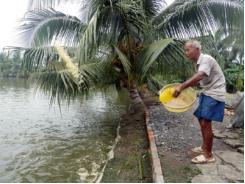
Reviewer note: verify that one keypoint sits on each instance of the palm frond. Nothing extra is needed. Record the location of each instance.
(154, 84)
(105, 74)
(81, 76)
(43, 26)
(110, 26)
(150, 54)
(118, 18)
(63, 80)
(39, 57)
(41, 4)
(124, 60)
(152, 7)
(58, 85)
(230, 45)
(198, 17)
(135, 20)
(111, 23)
(88, 39)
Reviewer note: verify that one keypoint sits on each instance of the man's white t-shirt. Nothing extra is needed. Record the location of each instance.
(213, 84)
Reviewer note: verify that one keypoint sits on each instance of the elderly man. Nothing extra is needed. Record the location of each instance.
(212, 98)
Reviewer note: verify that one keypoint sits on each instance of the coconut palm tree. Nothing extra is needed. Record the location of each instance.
(121, 42)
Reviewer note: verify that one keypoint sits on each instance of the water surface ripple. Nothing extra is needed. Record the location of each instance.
(38, 144)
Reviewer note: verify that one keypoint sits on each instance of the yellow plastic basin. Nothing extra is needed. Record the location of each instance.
(180, 104)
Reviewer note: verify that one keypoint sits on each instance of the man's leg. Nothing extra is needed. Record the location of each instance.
(206, 128)
(202, 131)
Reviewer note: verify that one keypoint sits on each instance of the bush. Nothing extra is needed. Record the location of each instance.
(234, 77)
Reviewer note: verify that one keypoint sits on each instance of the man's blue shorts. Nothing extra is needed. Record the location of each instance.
(210, 109)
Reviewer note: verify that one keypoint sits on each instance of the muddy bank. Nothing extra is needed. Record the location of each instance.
(131, 162)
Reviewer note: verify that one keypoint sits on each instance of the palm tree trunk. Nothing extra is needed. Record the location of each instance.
(136, 102)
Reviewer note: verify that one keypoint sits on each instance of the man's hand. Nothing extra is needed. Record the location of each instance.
(177, 91)
(194, 80)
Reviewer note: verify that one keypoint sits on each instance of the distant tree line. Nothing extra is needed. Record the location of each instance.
(11, 65)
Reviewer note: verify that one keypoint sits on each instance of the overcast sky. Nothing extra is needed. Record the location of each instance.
(11, 11)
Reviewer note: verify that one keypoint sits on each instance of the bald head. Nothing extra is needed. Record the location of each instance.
(193, 49)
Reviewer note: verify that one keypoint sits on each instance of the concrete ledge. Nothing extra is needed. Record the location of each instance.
(156, 165)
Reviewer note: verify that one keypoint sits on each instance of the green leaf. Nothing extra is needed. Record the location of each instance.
(42, 27)
(88, 39)
(151, 53)
(124, 60)
(197, 17)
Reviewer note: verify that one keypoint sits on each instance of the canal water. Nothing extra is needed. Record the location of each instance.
(40, 144)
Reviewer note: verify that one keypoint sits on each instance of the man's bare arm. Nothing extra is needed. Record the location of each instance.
(190, 82)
